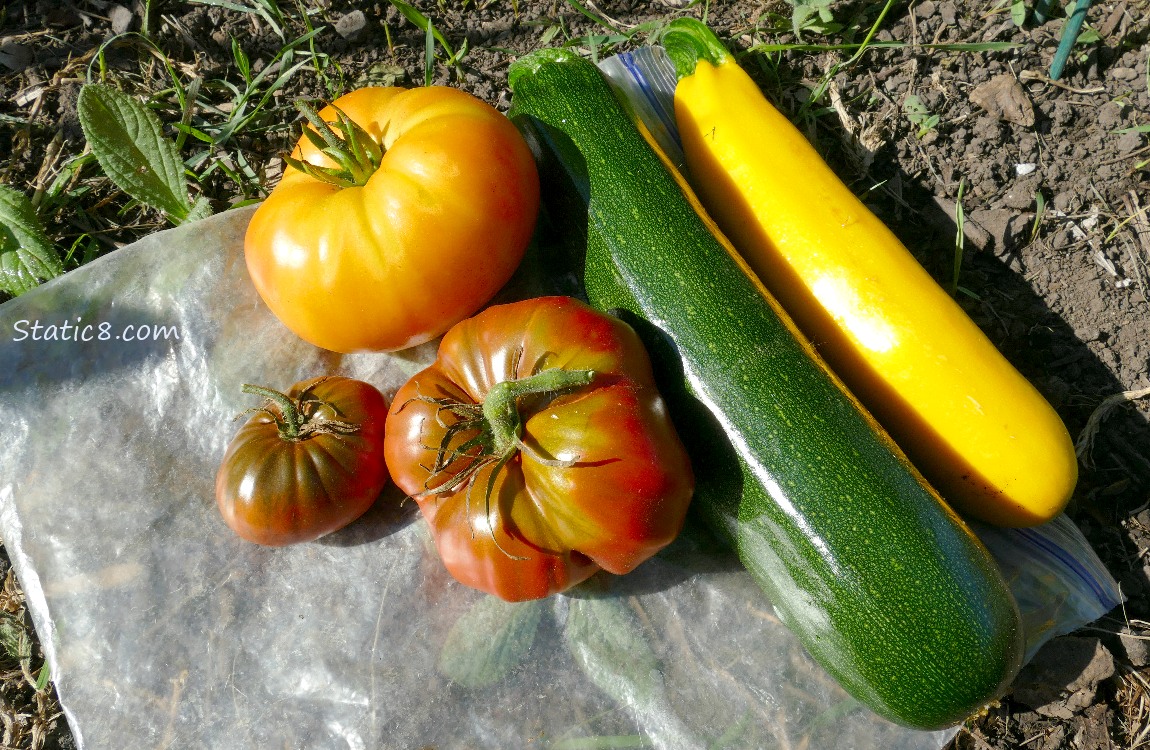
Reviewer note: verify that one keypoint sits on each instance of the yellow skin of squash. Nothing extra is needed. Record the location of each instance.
(987, 440)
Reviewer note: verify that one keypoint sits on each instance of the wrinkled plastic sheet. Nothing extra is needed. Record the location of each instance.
(164, 630)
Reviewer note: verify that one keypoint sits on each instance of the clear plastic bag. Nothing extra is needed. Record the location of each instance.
(118, 387)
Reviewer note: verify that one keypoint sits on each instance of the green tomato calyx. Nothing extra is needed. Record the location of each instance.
(297, 418)
(343, 141)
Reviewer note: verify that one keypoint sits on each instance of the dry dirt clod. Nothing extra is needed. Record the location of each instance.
(1135, 647)
(1064, 675)
(1006, 227)
(1110, 115)
(121, 19)
(1004, 98)
(1021, 194)
(15, 56)
(351, 25)
(1091, 730)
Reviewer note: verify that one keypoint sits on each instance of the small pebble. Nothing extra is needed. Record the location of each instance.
(121, 19)
(351, 25)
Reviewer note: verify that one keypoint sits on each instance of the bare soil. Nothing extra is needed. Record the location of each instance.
(1050, 178)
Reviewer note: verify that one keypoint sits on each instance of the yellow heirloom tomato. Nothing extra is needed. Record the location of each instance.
(391, 226)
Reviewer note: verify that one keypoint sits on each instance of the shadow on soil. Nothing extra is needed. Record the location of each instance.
(1044, 348)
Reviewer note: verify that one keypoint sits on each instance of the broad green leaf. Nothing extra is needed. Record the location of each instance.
(15, 646)
(813, 15)
(608, 645)
(914, 108)
(1089, 36)
(201, 209)
(128, 141)
(919, 115)
(549, 35)
(27, 256)
(488, 641)
(1018, 12)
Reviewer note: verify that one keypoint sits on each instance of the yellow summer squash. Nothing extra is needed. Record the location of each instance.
(987, 440)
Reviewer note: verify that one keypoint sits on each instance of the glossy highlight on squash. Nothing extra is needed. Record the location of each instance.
(979, 431)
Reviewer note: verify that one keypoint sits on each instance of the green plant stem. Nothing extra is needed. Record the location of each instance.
(291, 420)
(501, 406)
(296, 421)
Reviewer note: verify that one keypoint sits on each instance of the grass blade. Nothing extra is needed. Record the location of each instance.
(585, 12)
(240, 117)
(429, 55)
(258, 8)
(821, 89)
(423, 23)
(959, 239)
(941, 46)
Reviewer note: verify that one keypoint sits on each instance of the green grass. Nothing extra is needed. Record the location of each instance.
(230, 116)
(959, 239)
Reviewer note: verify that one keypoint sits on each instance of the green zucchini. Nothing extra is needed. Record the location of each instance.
(883, 584)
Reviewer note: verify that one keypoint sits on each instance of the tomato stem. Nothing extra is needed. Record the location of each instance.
(497, 428)
(343, 141)
(294, 420)
(289, 421)
(501, 406)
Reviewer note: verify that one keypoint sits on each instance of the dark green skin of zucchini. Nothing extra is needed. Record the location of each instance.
(883, 584)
